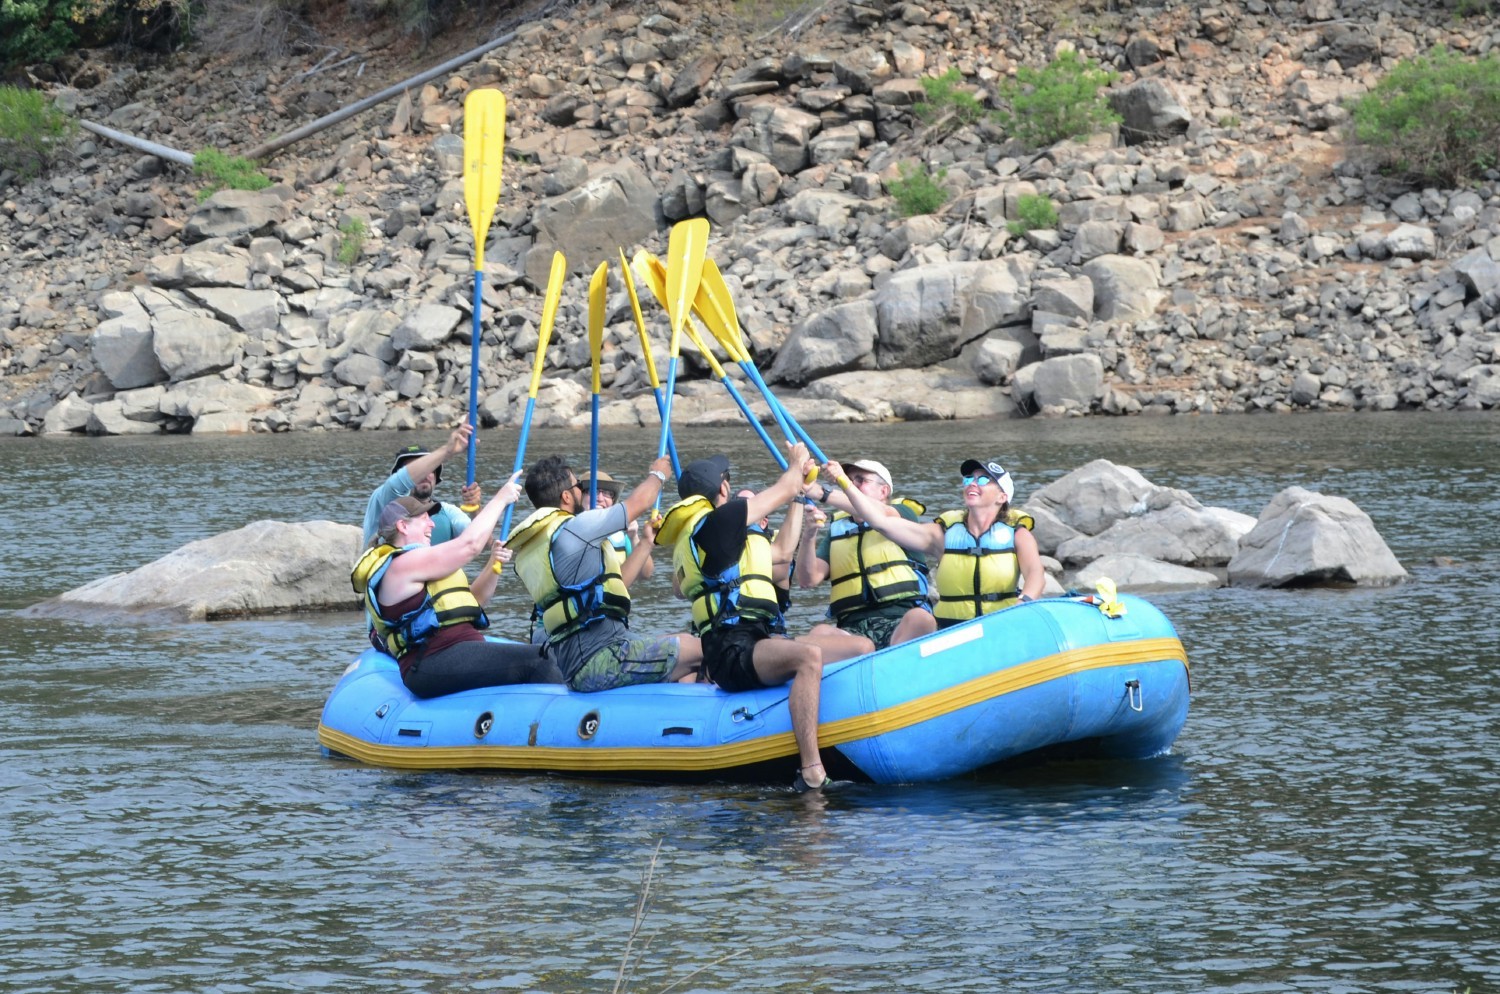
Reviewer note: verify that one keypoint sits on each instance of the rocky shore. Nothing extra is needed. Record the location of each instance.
(1223, 251)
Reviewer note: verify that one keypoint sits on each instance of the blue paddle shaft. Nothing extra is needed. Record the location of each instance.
(520, 459)
(594, 455)
(474, 376)
(666, 417)
(661, 408)
(739, 399)
(786, 415)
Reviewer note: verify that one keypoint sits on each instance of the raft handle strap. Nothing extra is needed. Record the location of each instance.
(1134, 695)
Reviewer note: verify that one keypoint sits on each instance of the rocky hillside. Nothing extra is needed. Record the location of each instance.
(1220, 252)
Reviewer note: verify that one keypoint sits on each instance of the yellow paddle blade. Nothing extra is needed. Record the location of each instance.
(687, 247)
(549, 315)
(484, 155)
(640, 320)
(716, 307)
(1109, 602)
(598, 290)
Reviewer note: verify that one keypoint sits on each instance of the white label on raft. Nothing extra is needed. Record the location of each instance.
(958, 636)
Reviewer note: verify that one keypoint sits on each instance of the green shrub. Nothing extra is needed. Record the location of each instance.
(1033, 211)
(230, 171)
(42, 30)
(1435, 118)
(917, 191)
(1060, 101)
(947, 101)
(353, 242)
(33, 132)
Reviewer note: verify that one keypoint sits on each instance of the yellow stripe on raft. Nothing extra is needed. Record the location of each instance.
(727, 756)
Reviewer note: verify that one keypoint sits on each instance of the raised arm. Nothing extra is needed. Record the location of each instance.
(434, 562)
(811, 570)
(639, 564)
(913, 536)
(784, 548)
(458, 442)
(787, 487)
(643, 497)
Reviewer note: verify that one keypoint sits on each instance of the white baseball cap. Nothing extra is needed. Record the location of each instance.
(874, 468)
(992, 469)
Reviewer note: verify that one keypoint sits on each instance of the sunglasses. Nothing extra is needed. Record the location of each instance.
(978, 481)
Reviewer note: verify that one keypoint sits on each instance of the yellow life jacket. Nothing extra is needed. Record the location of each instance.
(448, 601)
(743, 591)
(565, 610)
(867, 569)
(977, 575)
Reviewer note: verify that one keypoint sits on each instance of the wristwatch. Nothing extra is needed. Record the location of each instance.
(659, 475)
(823, 496)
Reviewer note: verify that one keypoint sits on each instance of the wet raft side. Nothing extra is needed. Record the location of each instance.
(1023, 679)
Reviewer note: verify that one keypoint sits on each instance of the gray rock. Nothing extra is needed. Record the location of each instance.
(1071, 297)
(108, 417)
(72, 413)
(236, 214)
(1412, 241)
(1173, 528)
(1305, 538)
(1142, 574)
(997, 360)
(212, 395)
(189, 344)
(781, 134)
(1149, 109)
(1125, 289)
(267, 567)
(617, 206)
(425, 328)
(124, 349)
(247, 310)
(1072, 382)
(834, 340)
(925, 314)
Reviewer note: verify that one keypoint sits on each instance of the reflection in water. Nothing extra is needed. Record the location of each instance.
(1325, 822)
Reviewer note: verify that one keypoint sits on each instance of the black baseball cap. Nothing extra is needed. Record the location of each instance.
(702, 477)
(410, 452)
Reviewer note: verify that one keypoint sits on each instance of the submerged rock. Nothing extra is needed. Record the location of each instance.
(266, 567)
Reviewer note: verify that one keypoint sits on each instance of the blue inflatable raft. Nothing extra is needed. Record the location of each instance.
(1054, 675)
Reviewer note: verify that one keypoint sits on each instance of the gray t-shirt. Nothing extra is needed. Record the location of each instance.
(576, 557)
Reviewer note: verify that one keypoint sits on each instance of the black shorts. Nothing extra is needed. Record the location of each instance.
(729, 655)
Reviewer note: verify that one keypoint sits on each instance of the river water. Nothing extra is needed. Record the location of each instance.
(1326, 822)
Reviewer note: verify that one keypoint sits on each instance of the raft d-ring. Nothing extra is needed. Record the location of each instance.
(589, 726)
(1134, 695)
(740, 714)
(483, 724)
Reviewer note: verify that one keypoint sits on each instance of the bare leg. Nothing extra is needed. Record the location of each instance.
(836, 643)
(689, 658)
(775, 659)
(914, 624)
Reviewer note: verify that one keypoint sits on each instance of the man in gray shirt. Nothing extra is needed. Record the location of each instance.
(580, 582)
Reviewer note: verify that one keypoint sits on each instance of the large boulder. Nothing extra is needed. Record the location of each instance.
(1125, 289)
(1149, 110)
(831, 341)
(1132, 571)
(1101, 508)
(1172, 527)
(266, 567)
(123, 344)
(1304, 538)
(236, 215)
(926, 314)
(617, 206)
(189, 344)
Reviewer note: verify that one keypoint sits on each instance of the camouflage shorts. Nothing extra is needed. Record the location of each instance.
(632, 661)
(877, 627)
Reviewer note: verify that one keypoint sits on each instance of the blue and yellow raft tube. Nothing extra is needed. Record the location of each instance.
(1055, 676)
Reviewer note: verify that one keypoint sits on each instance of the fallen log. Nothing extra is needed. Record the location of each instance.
(140, 144)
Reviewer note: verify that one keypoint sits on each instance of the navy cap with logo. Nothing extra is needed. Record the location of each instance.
(408, 453)
(992, 469)
(702, 477)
